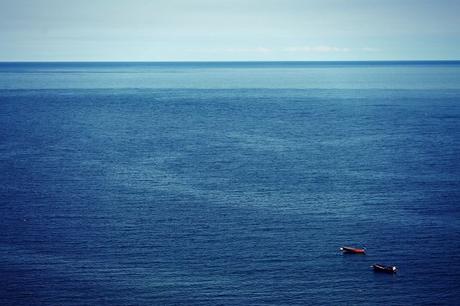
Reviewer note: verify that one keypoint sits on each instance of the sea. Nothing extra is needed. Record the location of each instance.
(229, 183)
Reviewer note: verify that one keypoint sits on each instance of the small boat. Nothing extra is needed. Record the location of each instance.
(382, 268)
(350, 250)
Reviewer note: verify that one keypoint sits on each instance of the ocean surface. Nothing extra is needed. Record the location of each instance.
(229, 183)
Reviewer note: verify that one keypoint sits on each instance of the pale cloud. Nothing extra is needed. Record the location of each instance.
(239, 50)
(233, 50)
(319, 49)
(368, 49)
(329, 49)
(270, 51)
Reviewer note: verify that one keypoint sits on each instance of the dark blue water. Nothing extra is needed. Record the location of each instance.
(229, 184)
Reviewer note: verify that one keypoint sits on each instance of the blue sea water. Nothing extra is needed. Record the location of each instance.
(229, 183)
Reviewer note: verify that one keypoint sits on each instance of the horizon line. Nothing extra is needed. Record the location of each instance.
(229, 61)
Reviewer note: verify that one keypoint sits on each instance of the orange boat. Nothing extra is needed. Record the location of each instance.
(350, 250)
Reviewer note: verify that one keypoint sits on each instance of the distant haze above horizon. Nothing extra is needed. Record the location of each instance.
(234, 30)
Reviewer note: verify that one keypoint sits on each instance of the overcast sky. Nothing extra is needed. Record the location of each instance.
(157, 30)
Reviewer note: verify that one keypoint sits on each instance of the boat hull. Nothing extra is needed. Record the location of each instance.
(350, 250)
(384, 269)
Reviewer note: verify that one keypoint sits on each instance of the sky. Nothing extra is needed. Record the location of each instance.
(229, 30)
